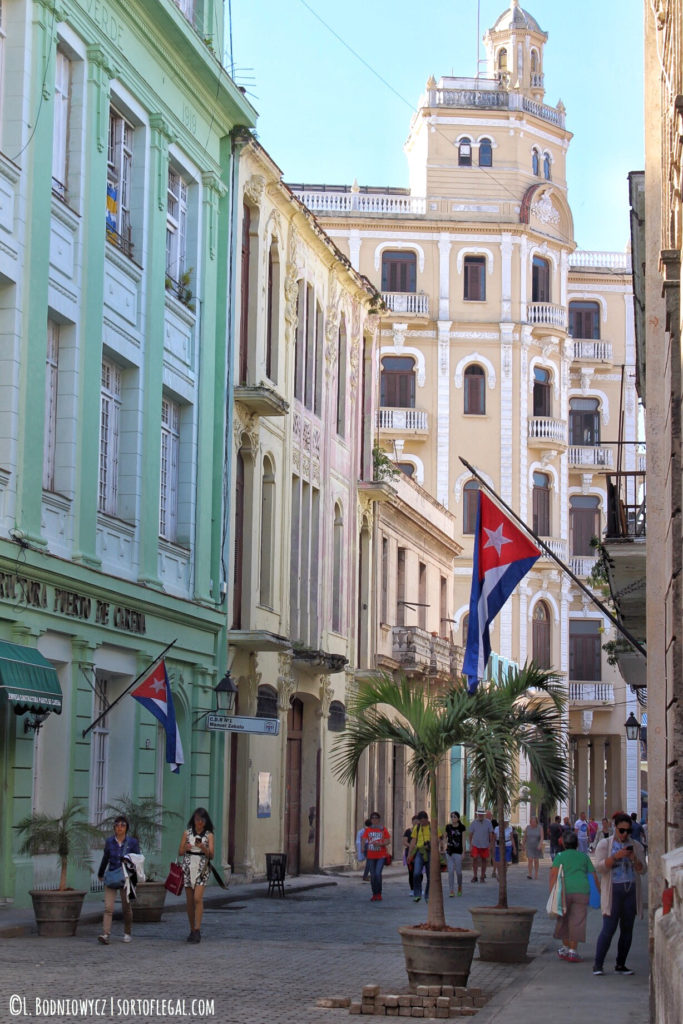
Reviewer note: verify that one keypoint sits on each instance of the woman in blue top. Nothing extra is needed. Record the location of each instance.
(117, 847)
(576, 868)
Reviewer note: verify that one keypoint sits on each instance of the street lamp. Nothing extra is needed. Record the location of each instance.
(226, 692)
(632, 726)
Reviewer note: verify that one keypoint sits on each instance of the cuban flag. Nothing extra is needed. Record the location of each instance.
(154, 693)
(503, 555)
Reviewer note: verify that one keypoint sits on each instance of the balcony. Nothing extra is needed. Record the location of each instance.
(261, 399)
(545, 432)
(547, 315)
(557, 545)
(600, 260)
(404, 421)
(593, 456)
(592, 351)
(407, 302)
(412, 648)
(343, 201)
(583, 694)
(488, 94)
(581, 565)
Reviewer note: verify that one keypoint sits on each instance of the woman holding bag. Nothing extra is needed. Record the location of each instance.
(114, 875)
(197, 849)
(577, 867)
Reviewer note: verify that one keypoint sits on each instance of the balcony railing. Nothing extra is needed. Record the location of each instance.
(594, 455)
(626, 504)
(536, 80)
(545, 314)
(543, 428)
(591, 693)
(407, 302)
(581, 565)
(402, 419)
(557, 545)
(361, 202)
(487, 93)
(593, 351)
(412, 647)
(596, 258)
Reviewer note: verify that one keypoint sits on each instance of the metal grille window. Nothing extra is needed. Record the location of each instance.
(465, 153)
(176, 226)
(266, 702)
(60, 133)
(51, 386)
(336, 720)
(119, 181)
(168, 490)
(110, 413)
(99, 752)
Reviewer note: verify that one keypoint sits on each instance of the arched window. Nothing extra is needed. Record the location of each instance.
(397, 382)
(502, 59)
(475, 390)
(341, 378)
(535, 163)
(399, 271)
(546, 166)
(542, 392)
(485, 153)
(541, 504)
(541, 635)
(584, 524)
(337, 563)
(534, 61)
(267, 534)
(584, 422)
(272, 311)
(336, 720)
(266, 702)
(470, 495)
(584, 320)
(540, 280)
(465, 628)
(465, 153)
(407, 468)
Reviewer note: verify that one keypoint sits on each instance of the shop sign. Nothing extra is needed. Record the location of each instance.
(237, 723)
(22, 590)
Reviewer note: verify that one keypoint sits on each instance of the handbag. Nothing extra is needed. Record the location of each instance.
(557, 900)
(114, 877)
(174, 880)
(594, 899)
(387, 859)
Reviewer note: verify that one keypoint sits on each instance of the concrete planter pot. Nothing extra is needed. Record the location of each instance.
(148, 905)
(504, 933)
(57, 911)
(438, 958)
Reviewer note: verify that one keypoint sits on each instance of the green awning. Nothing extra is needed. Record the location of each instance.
(28, 680)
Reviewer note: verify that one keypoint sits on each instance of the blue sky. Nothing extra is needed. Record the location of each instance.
(325, 117)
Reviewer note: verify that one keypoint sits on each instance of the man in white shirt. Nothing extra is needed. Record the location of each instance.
(581, 829)
(481, 834)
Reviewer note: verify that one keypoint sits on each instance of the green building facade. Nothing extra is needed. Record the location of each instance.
(120, 133)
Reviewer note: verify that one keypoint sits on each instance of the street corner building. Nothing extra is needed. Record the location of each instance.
(117, 169)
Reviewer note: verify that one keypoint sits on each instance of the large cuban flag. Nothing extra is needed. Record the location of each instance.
(154, 693)
(503, 555)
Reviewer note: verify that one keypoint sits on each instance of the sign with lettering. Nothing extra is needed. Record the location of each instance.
(235, 723)
(22, 590)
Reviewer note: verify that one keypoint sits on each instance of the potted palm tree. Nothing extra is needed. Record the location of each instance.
(524, 716)
(72, 838)
(147, 822)
(403, 712)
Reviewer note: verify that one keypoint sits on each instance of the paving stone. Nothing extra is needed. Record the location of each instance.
(355, 1007)
(370, 991)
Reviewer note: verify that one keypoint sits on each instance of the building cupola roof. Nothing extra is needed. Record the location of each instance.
(516, 18)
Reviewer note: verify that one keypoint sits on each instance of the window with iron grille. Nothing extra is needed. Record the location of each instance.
(475, 391)
(465, 153)
(399, 271)
(266, 702)
(119, 181)
(170, 451)
(475, 278)
(337, 568)
(341, 378)
(51, 392)
(60, 131)
(336, 720)
(99, 751)
(176, 226)
(110, 414)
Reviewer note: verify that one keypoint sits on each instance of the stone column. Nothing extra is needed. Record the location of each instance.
(582, 775)
(616, 795)
(597, 778)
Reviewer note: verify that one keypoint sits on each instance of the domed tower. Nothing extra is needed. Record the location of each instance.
(515, 52)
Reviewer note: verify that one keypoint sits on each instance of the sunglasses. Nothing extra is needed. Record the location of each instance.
(624, 831)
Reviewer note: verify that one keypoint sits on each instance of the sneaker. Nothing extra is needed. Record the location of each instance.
(459, 892)
(562, 952)
(104, 939)
(573, 957)
(378, 896)
(127, 938)
(451, 893)
(416, 899)
(597, 970)
(475, 879)
(626, 971)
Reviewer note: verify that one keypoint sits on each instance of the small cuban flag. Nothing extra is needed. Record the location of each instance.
(154, 693)
(503, 555)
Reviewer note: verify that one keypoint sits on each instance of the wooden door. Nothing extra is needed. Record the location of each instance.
(295, 719)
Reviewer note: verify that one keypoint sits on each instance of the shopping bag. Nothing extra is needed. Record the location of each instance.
(557, 901)
(174, 880)
(387, 859)
(594, 898)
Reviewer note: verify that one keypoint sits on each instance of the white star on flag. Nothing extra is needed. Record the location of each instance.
(496, 539)
(158, 685)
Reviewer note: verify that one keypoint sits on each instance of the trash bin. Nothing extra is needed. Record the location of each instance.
(276, 867)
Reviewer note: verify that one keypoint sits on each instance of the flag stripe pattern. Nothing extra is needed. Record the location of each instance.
(154, 693)
(503, 555)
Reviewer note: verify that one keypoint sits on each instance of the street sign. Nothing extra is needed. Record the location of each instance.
(235, 723)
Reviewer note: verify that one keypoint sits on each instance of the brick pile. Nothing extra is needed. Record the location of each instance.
(430, 1001)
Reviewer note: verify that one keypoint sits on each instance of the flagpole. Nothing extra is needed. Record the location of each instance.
(128, 689)
(565, 568)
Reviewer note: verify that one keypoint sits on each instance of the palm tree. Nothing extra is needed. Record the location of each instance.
(405, 713)
(69, 835)
(524, 715)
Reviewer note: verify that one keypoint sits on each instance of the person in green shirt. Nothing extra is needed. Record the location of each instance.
(419, 850)
(577, 867)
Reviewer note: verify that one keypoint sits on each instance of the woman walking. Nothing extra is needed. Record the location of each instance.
(197, 850)
(376, 839)
(576, 866)
(115, 876)
(533, 839)
(454, 833)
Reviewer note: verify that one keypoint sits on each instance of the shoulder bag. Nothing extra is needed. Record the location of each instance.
(557, 901)
(174, 879)
(114, 878)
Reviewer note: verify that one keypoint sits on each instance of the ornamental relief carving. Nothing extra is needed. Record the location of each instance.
(291, 281)
(286, 687)
(254, 188)
(326, 697)
(246, 428)
(354, 356)
(544, 210)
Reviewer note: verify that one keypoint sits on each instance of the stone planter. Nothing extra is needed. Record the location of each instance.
(57, 911)
(504, 933)
(148, 904)
(438, 958)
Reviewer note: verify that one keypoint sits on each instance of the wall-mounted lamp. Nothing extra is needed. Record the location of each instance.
(225, 691)
(632, 726)
(34, 722)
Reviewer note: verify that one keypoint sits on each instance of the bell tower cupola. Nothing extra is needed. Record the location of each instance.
(514, 48)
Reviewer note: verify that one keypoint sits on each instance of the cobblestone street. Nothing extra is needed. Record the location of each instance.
(268, 960)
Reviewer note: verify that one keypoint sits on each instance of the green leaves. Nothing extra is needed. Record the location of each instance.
(69, 835)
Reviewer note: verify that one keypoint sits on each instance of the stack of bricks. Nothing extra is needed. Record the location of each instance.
(431, 1001)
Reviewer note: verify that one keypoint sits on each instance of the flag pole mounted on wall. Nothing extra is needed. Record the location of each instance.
(565, 568)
